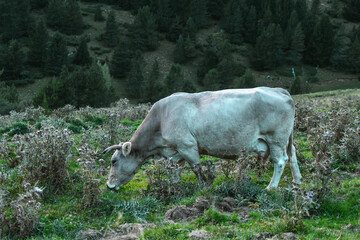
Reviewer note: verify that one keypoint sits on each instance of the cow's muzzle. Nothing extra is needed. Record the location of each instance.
(112, 187)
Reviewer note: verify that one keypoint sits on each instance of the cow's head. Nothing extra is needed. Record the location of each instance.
(124, 165)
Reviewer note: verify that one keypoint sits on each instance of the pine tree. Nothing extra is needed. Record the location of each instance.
(175, 30)
(335, 9)
(301, 9)
(73, 23)
(143, 31)
(297, 46)
(198, 12)
(110, 37)
(96, 90)
(120, 64)
(152, 87)
(38, 44)
(352, 10)
(215, 8)
(189, 48)
(211, 80)
(57, 55)
(82, 56)
(354, 56)
(315, 7)
(174, 80)
(12, 61)
(321, 44)
(248, 79)
(162, 13)
(291, 27)
(190, 29)
(135, 81)
(297, 86)
(98, 17)
(285, 9)
(55, 14)
(251, 25)
(38, 4)
(15, 19)
(179, 52)
(339, 59)
(236, 27)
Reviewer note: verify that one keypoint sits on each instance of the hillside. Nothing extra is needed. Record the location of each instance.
(53, 180)
(315, 75)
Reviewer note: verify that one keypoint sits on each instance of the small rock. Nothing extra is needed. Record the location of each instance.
(231, 201)
(90, 234)
(287, 236)
(129, 228)
(199, 234)
(181, 213)
(262, 236)
(202, 204)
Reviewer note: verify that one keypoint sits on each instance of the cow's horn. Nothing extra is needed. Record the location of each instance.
(113, 147)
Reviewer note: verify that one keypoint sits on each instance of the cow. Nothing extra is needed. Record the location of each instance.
(217, 123)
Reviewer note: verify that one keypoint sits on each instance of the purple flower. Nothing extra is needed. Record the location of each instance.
(311, 196)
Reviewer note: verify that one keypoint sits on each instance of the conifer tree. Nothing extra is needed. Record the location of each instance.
(174, 80)
(57, 55)
(321, 44)
(144, 30)
(120, 64)
(135, 81)
(297, 46)
(285, 9)
(354, 56)
(175, 30)
(297, 86)
(268, 17)
(152, 87)
(190, 29)
(38, 4)
(236, 27)
(301, 9)
(291, 27)
(12, 61)
(96, 90)
(211, 80)
(110, 37)
(339, 59)
(215, 8)
(248, 79)
(82, 56)
(179, 52)
(162, 13)
(352, 10)
(189, 48)
(73, 22)
(38, 44)
(251, 25)
(198, 12)
(55, 14)
(315, 7)
(98, 17)
(335, 9)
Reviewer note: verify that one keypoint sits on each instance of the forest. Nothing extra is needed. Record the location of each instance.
(91, 53)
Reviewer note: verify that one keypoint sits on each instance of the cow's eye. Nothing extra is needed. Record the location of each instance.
(113, 161)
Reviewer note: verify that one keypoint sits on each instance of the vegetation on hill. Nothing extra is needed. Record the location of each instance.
(53, 175)
(211, 40)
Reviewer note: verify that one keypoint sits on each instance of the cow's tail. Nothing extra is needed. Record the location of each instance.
(289, 147)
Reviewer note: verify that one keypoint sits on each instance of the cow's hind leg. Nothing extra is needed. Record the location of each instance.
(279, 158)
(295, 167)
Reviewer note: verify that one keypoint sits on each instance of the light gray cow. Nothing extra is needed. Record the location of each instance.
(220, 123)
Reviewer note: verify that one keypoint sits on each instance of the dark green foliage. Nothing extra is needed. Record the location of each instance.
(121, 59)
(73, 23)
(212, 80)
(38, 4)
(315, 7)
(179, 52)
(291, 27)
(12, 61)
(190, 29)
(198, 12)
(143, 31)
(297, 87)
(243, 187)
(111, 34)
(152, 87)
(82, 56)
(321, 44)
(82, 87)
(351, 10)
(9, 98)
(57, 55)
(94, 120)
(297, 46)
(215, 8)
(38, 44)
(162, 13)
(15, 19)
(301, 9)
(135, 80)
(335, 9)
(354, 56)
(248, 79)
(250, 25)
(268, 51)
(339, 59)
(98, 17)
(55, 14)
(76, 125)
(175, 30)
(174, 81)
(189, 48)
(15, 128)
(235, 26)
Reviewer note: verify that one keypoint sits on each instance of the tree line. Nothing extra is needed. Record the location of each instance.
(274, 32)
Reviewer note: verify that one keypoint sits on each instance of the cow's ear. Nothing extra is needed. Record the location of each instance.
(126, 148)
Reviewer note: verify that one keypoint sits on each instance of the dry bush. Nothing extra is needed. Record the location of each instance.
(30, 113)
(92, 169)
(25, 212)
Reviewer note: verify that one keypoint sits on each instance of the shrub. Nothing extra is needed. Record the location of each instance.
(76, 125)
(15, 128)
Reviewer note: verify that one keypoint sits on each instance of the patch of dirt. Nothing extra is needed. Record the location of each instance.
(181, 213)
(199, 234)
(127, 231)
